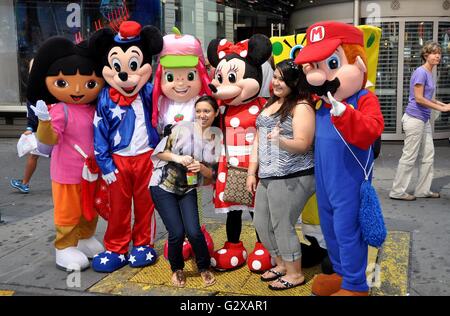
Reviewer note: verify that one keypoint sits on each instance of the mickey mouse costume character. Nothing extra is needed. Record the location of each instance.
(348, 121)
(124, 140)
(237, 83)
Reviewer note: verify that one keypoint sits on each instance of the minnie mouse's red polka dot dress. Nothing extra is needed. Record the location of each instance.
(240, 124)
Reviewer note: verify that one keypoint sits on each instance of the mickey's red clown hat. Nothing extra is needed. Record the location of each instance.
(128, 32)
(323, 38)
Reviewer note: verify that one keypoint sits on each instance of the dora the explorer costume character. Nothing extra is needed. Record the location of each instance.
(64, 76)
(348, 121)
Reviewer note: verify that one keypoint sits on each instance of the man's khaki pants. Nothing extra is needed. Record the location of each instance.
(418, 138)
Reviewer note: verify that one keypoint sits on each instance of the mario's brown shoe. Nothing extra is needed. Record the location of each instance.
(326, 284)
(343, 292)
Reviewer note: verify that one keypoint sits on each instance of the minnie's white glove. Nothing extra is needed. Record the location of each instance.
(110, 177)
(337, 108)
(41, 111)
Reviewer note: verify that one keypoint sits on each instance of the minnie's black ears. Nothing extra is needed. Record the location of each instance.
(213, 57)
(259, 49)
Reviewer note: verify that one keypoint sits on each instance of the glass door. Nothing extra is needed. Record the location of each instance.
(400, 47)
(387, 74)
(443, 76)
(415, 36)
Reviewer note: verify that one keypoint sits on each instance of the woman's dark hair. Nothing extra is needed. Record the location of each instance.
(211, 101)
(56, 55)
(292, 74)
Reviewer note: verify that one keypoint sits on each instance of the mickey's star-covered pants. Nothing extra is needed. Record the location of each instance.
(131, 189)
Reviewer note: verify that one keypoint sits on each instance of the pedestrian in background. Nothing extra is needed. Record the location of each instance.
(417, 127)
(23, 185)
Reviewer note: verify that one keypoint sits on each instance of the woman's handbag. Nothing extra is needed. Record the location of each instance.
(235, 187)
(236, 181)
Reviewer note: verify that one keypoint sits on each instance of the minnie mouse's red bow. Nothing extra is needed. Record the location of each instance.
(226, 48)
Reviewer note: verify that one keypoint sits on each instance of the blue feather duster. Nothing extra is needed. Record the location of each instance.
(371, 216)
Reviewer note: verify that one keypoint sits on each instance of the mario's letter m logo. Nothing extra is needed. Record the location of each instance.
(317, 34)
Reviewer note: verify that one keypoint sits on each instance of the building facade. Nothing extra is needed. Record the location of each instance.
(26, 24)
(406, 26)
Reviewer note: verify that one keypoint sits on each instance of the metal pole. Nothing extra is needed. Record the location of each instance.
(356, 12)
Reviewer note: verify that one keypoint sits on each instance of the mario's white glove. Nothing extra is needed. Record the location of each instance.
(110, 177)
(337, 108)
(41, 111)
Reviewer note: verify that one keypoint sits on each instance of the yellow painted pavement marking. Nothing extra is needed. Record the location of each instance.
(156, 279)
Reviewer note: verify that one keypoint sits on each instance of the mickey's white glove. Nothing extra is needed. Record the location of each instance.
(337, 108)
(110, 177)
(41, 111)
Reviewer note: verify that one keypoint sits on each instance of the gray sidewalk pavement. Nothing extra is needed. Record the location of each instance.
(26, 237)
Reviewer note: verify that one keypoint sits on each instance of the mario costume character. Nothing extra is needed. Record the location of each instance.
(124, 139)
(348, 121)
(237, 83)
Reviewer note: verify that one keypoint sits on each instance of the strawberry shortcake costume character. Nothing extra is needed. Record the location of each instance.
(180, 79)
(348, 122)
(124, 139)
(237, 83)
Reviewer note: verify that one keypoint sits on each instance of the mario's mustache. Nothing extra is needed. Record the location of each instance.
(322, 90)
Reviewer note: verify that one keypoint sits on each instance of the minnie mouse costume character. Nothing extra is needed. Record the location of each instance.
(348, 121)
(124, 139)
(237, 83)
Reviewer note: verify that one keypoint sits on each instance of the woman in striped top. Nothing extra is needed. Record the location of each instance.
(282, 154)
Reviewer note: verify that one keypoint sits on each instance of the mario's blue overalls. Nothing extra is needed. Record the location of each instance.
(338, 181)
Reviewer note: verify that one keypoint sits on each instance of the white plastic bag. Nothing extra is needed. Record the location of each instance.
(26, 144)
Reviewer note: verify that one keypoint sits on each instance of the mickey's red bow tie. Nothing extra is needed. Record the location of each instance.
(120, 99)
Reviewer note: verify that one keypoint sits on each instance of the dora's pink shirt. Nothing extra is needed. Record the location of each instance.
(66, 163)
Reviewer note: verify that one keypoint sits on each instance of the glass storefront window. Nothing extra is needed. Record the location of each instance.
(37, 20)
(9, 92)
(443, 75)
(416, 35)
(387, 74)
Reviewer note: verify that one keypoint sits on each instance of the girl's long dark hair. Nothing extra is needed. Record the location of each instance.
(211, 101)
(292, 74)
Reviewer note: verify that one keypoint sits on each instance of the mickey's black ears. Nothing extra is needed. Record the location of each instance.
(101, 41)
(213, 57)
(259, 49)
(153, 39)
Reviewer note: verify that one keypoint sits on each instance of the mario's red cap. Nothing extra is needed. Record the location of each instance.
(129, 30)
(323, 38)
